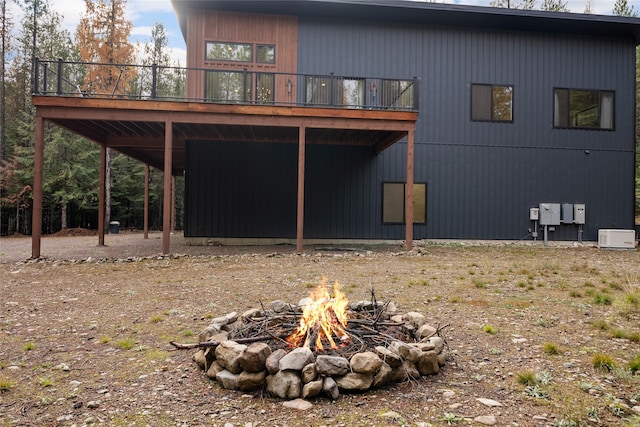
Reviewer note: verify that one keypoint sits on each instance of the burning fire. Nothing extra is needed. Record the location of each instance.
(323, 318)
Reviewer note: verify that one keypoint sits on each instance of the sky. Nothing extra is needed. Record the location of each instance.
(146, 13)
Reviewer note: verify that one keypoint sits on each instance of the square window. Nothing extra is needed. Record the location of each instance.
(492, 103)
(583, 109)
(393, 202)
(265, 54)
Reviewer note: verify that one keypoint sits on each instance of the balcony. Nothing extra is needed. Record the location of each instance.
(223, 86)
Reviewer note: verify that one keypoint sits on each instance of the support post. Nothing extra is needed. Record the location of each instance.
(102, 194)
(145, 214)
(173, 204)
(409, 205)
(38, 166)
(166, 205)
(301, 157)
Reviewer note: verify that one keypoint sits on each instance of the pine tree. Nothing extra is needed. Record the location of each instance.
(554, 6)
(622, 8)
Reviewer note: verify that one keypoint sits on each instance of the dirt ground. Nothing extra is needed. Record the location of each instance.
(551, 333)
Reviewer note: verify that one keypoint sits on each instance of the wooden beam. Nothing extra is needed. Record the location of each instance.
(145, 214)
(102, 194)
(173, 203)
(38, 166)
(301, 158)
(166, 205)
(409, 205)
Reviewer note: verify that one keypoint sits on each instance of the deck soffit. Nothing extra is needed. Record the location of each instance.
(136, 128)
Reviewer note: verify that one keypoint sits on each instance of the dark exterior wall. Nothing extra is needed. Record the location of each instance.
(483, 177)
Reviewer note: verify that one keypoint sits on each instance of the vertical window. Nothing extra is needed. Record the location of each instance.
(583, 109)
(393, 202)
(319, 90)
(397, 93)
(493, 103)
(228, 86)
(241, 52)
(351, 91)
(265, 54)
(265, 87)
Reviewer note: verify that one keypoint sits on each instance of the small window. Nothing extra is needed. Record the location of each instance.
(493, 103)
(583, 109)
(223, 86)
(240, 52)
(393, 203)
(265, 54)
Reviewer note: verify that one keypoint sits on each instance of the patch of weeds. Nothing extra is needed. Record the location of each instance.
(478, 283)
(603, 362)
(521, 284)
(544, 377)
(172, 312)
(551, 349)
(589, 284)
(456, 299)
(622, 374)
(600, 324)
(155, 354)
(424, 282)
(451, 419)
(489, 329)
(130, 292)
(187, 333)
(537, 391)
(619, 333)
(542, 323)
(45, 382)
(495, 351)
(575, 294)
(105, 340)
(411, 283)
(567, 422)
(126, 343)
(527, 378)
(29, 346)
(634, 364)
(602, 299)
(438, 297)
(617, 408)
(156, 318)
(141, 348)
(5, 385)
(592, 413)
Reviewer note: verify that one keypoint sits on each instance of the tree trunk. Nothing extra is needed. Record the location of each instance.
(63, 216)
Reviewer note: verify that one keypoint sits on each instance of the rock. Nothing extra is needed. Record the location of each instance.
(227, 380)
(392, 359)
(488, 402)
(354, 381)
(273, 361)
(299, 404)
(332, 365)
(279, 306)
(248, 381)
(425, 331)
(309, 373)
(297, 359)
(284, 384)
(398, 318)
(252, 312)
(366, 362)
(198, 357)
(213, 370)
(305, 301)
(93, 404)
(415, 319)
(405, 351)
(404, 372)
(227, 355)
(424, 345)
(312, 389)
(438, 343)
(209, 331)
(487, 420)
(253, 358)
(428, 363)
(396, 417)
(443, 357)
(636, 409)
(383, 376)
(330, 388)
(448, 394)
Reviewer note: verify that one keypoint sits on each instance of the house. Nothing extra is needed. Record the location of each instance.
(342, 120)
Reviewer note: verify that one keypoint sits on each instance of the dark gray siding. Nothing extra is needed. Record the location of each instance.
(483, 177)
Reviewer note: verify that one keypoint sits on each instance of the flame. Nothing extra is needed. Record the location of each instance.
(325, 317)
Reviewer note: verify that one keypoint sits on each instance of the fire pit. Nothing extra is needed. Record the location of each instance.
(324, 345)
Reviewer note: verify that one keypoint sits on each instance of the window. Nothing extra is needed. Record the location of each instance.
(265, 54)
(397, 93)
(240, 52)
(583, 109)
(265, 87)
(228, 86)
(393, 203)
(493, 103)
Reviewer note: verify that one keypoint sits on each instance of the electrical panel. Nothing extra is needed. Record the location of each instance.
(567, 213)
(534, 214)
(579, 213)
(549, 213)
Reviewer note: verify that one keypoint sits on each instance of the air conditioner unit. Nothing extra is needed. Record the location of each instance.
(620, 239)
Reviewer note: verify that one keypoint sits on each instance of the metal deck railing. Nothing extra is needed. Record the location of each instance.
(225, 86)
